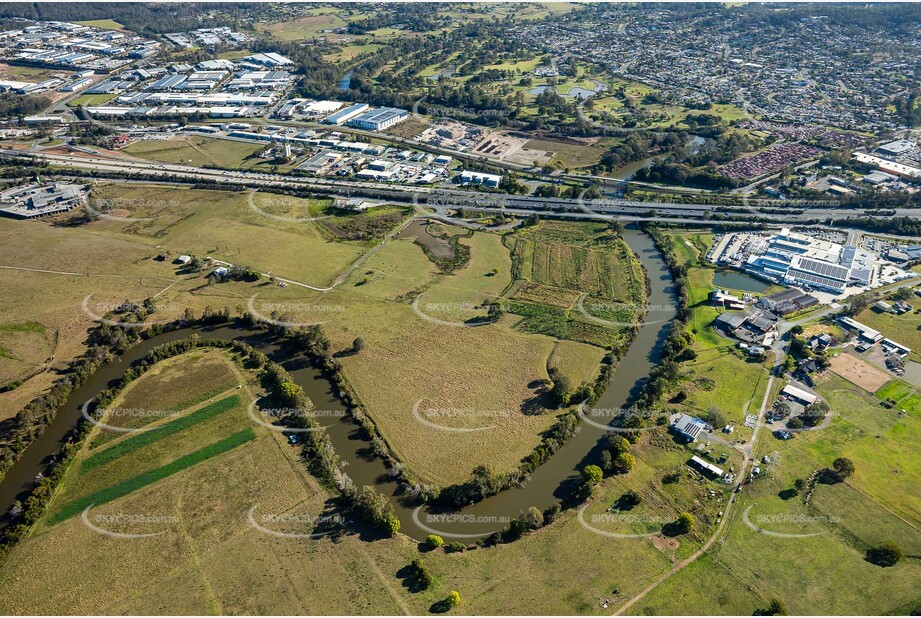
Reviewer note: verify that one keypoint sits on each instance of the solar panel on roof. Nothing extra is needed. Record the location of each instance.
(817, 279)
(823, 268)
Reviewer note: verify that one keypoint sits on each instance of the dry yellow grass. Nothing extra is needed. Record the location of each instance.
(24, 349)
(491, 370)
(475, 377)
(222, 224)
(196, 565)
(87, 261)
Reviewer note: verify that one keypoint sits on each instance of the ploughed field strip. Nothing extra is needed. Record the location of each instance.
(129, 445)
(151, 476)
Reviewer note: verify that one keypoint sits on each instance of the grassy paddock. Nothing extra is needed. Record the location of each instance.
(152, 476)
(180, 384)
(24, 349)
(155, 434)
(201, 152)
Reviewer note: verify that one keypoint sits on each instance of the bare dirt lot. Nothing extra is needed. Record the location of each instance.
(860, 372)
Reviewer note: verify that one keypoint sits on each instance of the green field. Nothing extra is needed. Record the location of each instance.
(556, 263)
(307, 27)
(160, 432)
(493, 368)
(105, 24)
(879, 440)
(152, 476)
(203, 552)
(89, 100)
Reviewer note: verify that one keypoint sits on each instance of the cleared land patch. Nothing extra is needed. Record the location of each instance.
(858, 371)
(202, 152)
(584, 257)
(305, 27)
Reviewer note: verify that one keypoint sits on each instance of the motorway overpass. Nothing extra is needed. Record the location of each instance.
(436, 198)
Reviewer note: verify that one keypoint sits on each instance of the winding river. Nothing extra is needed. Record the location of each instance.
(552, 482)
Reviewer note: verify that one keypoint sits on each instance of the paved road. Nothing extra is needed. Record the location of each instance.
(627, 210)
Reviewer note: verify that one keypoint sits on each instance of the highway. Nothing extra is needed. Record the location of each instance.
(437, 198)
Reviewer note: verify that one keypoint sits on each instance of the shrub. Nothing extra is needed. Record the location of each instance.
(551, 513)
(533, 518)
(434, 541)
(421, 574)
(592, 474)
(776, 608)
(685, 523)
(624, 463)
